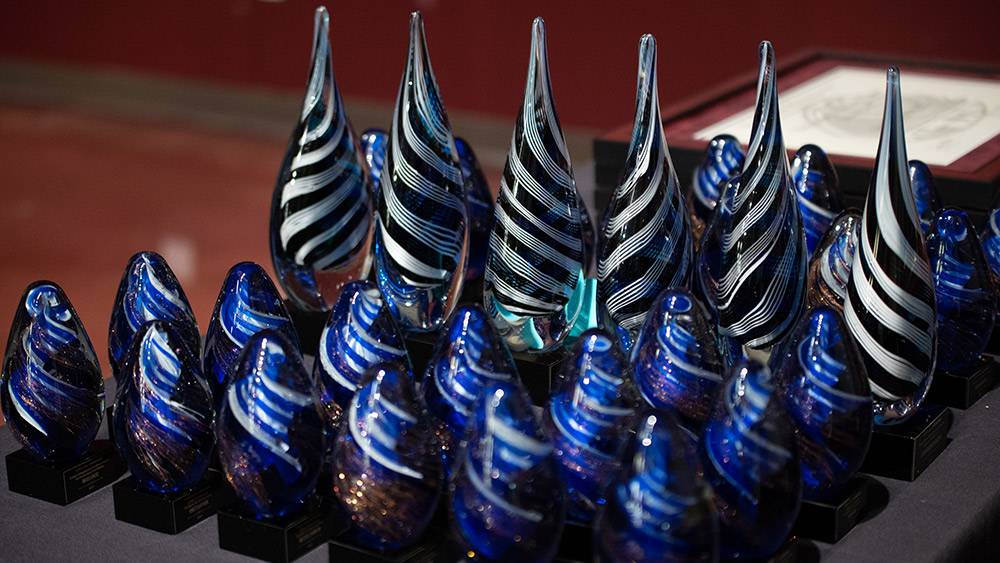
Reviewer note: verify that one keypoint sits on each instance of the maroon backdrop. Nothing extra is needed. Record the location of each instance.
(480, 49)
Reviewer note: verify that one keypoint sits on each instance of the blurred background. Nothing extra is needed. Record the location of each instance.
(128, 126)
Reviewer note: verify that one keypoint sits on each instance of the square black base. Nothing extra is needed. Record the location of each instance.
(961, 389)
(903, 451)
(993, 346)
(111, 427)
(830, 520)
(65, 482)
(427, 550)
(169, 513)
(420, 348)
(576, 543)
(278, 540)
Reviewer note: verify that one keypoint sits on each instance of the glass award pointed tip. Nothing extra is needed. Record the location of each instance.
(51, 390)
(321, 21)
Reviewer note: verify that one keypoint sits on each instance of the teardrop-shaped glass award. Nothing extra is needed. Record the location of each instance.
(507, 496)
(588, 416)
(763, 281)
(248, 303)
(890, 297)
(51, 388)
(389, 473)
(646, 244)
(678, 366)
(660, 507)
(722, 160)
(271, 433)
(360, 333)
(534, 277)
(830, 265)
(321, 213)
(748, 453)
(480, 209)
(964, 290)
(374, 144)
(989, 235)
(925, 192)
(823, 381)
(164, 419)
(468, 356)
(818, 191)
(421, 235)
(149, 291)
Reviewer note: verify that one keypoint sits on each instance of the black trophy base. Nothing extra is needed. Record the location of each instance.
(961, 389)
(278, 540)
(427, 550)
(64, 482)
(576, 543)
(993, 346)
(420, 348)
(831, 519)
(903, 451)
(168, 513)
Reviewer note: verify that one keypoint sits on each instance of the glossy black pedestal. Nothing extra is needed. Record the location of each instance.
(831, 519)
(961, 389)
(903, 451)
(169, 513)
(65, 482)
(278, 540)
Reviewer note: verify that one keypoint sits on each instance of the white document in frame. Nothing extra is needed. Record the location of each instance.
(841, 111)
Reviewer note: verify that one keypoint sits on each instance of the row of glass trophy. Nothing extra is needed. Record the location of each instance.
(731, 358)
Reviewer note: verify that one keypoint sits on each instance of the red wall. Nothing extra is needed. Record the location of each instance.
(480, 49)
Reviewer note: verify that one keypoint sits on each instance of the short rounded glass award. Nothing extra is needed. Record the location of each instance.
(593, 404)
(51, 388)
(677, 364)
(271, 432)
(508, 499)
(248, 303)
(468, 356)
(823, 381)
(818, 191)
(830, 265)
(749, 456)
(388, 472)
(149, 291)
(659, 507)
(359, 333)
(964, 289)
(164, 419)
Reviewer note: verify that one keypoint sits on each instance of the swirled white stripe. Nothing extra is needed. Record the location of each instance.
(172, 297)
(664, 339)
(365, 434)
(158, 376)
